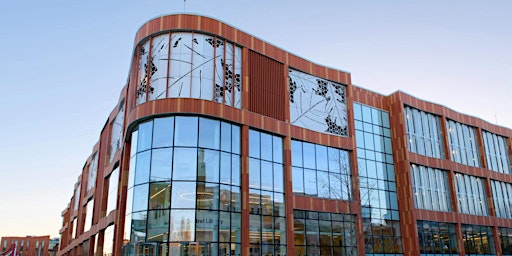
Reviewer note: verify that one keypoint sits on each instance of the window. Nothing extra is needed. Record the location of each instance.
(324, 233)
(431, 189)
(267, 219)
(471, 198)
(437, 238)
(377, 180)
(478, 239)
(423, 133)
(496, 152)
(505, 235)
(321, 171)
(463, 145)
(502, 198)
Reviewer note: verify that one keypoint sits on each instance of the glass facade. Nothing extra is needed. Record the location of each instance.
(324, 233)
(431, 188)
(317, 104)
(505, 235)
(184, 187)
(320, 171)
(267, 218)
(463, 144)
(437, 238)
(471, 196)
(190, 65)
(502, 198)
(379, 201)
(496, 152)
(478, 240)
(423, 133)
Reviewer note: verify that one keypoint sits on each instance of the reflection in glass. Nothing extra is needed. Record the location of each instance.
(186, 131)
(159, 195)
(182, 225)
(163, 132)
(184, 164)
(161, 164)
(183, 195)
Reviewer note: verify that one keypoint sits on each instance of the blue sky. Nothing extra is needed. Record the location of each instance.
(65, 62)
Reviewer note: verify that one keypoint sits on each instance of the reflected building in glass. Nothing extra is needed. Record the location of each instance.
(223, 144)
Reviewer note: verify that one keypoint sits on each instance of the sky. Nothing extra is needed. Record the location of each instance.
(64, 63)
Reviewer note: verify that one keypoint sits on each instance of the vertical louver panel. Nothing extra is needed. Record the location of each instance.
(267, 91)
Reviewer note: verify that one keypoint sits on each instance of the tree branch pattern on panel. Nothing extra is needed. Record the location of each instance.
(317, 104)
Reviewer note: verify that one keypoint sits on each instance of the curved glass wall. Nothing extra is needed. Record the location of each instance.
(190, 65)
(184, 188)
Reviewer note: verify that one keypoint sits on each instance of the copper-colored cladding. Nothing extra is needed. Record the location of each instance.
(265, 107)
(266, 86)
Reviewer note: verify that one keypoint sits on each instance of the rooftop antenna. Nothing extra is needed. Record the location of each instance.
(496, 117)
(184, 3)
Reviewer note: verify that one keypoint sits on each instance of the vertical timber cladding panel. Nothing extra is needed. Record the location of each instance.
(267, 91)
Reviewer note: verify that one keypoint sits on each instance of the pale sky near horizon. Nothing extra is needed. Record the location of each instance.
(64, 63)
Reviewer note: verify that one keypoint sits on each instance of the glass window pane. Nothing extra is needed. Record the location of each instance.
(206, 226)
(145, 136)
(254, 173)
(183, 195)
(161, 164)
(235, 170)
(163, 132)
(139, 227)
(208, 165)
(254, 144)
(278, 178)
(140, 197)
(321, 157)
(235, 139)
(182, 225)
(158, 226)
(184, 164)
(277, 149)
(310, 182)
(225, 168)
(309, 155)
(159, 195)
(266, 146)
(297, 180)
(225, 144)
(297, 153)
(142, 167)
(186, 131)
(266, 173)
(209, 133)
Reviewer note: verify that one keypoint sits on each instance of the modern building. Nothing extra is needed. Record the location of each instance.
(25, 246)
(223, 144)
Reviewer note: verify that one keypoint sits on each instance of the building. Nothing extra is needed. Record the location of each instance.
(26, 246)
(223, 144)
